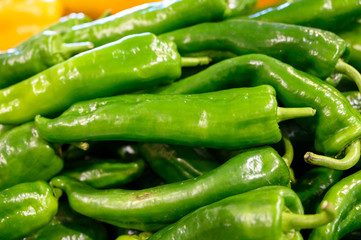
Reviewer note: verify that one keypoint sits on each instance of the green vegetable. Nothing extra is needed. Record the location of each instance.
(157, 18)
(40, 52)
(265, 213)
(130, 64)
(312, 186)
(26, 157)
(345, 196)
(336, 123)
(308, 49)
(68, 224)
(25, 208)
(152, 209)
(106, 173)
(231, 119)
(325, 14)
(176, 163)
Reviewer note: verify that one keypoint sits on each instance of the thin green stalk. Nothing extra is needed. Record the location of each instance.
(352, 156)
(350, 71)
(195, 61)
(296, 221)
(284, 114)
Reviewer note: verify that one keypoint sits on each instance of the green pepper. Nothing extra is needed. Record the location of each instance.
(157, 18)
(67, 224)
(345, 195)
(140, 236)
(354, 99)
(239, 7)
(230, 119)
(352, 36)
(4, 129)
(308, 49)
(25, 208)
(312, 186)
(130, 64)
(176, 163)
(152, 209)
(106, 173)
(40, 51)
(26, 157)
(273, 212)
(325, 14)
(337, 124)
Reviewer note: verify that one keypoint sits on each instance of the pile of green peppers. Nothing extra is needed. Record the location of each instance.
(168, 121)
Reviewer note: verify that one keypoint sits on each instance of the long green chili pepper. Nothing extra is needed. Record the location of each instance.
(26, 157)
(325, 14)
(337, 124)
(67, 224)
(25, 208)
(308, 49)
(273, 212)
(157, 18)
(152, 209)
(106, 173)
(351, 36)
(41, 51)
(312, 186)
(133, 63)
(229, 119)
(345, 196)
(176, 163)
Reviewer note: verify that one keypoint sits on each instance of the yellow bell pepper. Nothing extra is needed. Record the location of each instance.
(22, 19)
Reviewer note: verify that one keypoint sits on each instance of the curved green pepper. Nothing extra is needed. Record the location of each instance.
(311, 50)
(157, 18)
(230, 119)
(130, 64)
(106, 173)
(265, 213)
(325, 14)
(345, 196)
(176, 163)
(151, 209)
(26, 157)
(25, 208)
(336, 125)
(312, 186)
(40, 51)
(67, 224)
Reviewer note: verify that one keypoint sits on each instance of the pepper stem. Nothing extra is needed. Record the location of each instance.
(352, 156)
(349, 71)
(289, 154)
(195, 61)
(296, 221)
(284, 114)
(70, 49)
(81, 145)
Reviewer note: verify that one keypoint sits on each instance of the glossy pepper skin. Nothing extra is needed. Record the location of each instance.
(157, 18)
(312, 186)
(25, 208)
(354, 99)
(67, 224)
(99, 173)
(253, 215)
(152, 209)
(345, 196)
(40, 52)
(26, 157)
(133, 63)
(351, 35)
(239, 7)
(176, 163)
(308, 49)
(336, 124)
(325, 14)
(231, 119)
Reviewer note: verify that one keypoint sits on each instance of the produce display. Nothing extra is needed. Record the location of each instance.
(184, 119)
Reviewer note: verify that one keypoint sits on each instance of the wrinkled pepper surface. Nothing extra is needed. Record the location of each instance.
(25, 208)
(230, 119)
(154, 208)
(133, 63)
